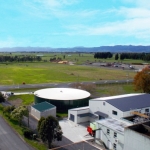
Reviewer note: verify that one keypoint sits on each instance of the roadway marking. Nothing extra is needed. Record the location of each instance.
(89, 143)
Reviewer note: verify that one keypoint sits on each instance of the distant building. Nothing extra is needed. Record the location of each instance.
(63, 62)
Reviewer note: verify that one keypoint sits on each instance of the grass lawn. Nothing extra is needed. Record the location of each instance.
(55, 73)
(26, 99)
(115, 89)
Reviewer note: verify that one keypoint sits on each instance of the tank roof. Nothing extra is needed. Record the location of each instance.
(62, 94)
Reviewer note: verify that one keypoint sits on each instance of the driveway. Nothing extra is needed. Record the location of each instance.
(76, 137)
(9, 140)
(74, 132)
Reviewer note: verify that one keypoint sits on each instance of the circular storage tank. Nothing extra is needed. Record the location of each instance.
(63, 98)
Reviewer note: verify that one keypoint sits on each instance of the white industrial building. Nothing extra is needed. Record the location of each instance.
(43, 109)
(79, 115)
(114, 116)
(118, 107)
(111, 132)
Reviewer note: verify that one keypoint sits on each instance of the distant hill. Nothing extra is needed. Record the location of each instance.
(115, 49)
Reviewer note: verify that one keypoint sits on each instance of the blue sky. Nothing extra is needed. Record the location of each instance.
(71, 23)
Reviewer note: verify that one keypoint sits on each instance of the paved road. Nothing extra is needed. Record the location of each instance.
(66, 144)
(9, 140)
(44, 85)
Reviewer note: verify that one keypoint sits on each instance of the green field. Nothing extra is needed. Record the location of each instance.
(78, 58)
(46, 72)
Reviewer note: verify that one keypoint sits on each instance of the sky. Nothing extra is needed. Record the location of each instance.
(74, 23)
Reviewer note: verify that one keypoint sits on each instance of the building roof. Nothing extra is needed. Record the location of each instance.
(131, 103)
(114, 124)
(87, 115)
(62, 94)
(79, 108)
(127, 102)
(115, 97)
(101, 114)
(43, 106)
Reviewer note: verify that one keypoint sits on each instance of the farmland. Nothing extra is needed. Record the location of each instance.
(47, 72)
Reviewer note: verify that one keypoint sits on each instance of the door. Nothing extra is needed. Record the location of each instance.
(71, 117)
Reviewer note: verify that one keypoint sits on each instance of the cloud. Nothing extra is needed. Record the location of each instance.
(55, 3)
(9, 42)
(134, 12)
(48, 9)
(139, 3)
(133, 22)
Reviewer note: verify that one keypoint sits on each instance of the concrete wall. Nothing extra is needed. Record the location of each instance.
(48, 112)
(76, 112)
(136, 141)
(82, 119)
(72, 112)
(37, 114)
(109, 139)
(104, 107)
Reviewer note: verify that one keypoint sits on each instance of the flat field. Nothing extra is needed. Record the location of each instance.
(78, 58)
(46, 72)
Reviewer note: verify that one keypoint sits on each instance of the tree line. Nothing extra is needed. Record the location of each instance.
(138, 56)
(102, 55)
(122, 56)
(19, 58)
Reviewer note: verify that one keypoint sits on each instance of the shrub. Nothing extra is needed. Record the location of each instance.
(2, 99)
(28, 134)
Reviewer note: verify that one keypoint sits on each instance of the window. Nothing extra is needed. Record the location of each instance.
(114, 112)
(115, 134)
(108, 131)
(114, 146)
(147, 110)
